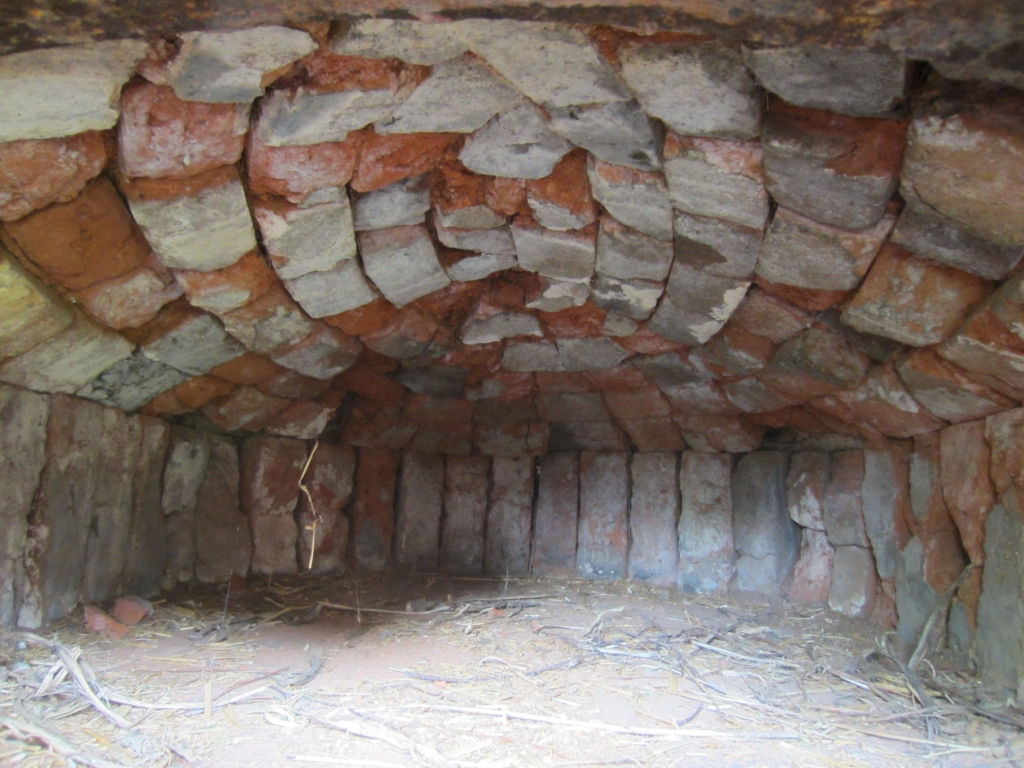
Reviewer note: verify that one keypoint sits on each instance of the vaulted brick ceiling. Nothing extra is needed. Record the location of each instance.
(507, 238)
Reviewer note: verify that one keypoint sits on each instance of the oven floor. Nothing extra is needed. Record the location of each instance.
(391, 670)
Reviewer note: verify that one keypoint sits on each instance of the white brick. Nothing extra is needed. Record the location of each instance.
(515, 143)
(209, 231)
(402, 263)
(63, 91)
(223, 67)
(459, 96)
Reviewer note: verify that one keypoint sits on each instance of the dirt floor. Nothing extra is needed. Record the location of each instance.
(456, 672)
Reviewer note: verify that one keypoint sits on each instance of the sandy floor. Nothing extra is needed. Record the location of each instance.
(444, 672)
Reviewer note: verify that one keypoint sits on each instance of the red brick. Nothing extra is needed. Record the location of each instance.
(407, 334)
(947, 390)
(571, 406)
(188, 339)
(711, 434)
(750, 395)
(640, 403)
(509, 517)
(817, 362)
(373, 519)
(85, 241)
(812, 575)
(244, 409)
(452, 439)
(437, 410)
(165, 404)
(736, 352)
(841, 421)
(199, 390)
(913, 300)
(559, 382)
(585, 322)
(566, 193)
(943, 554)
(37, 172)
(768, 315)
(293, 384)
(365, 319)
(605, 435)
(161, 136)
(506, 386)
(452, 304)
(650, 435)
(329, 72)
(888, 516)
(844, 511)
(1005, 434)
(294, 172)
(223, 290)
(964, 156)
(466, 480)
(506, 196)
(603, 529)
(620, 378)
(790, 417)
(967, 488)
(132, 299)
(329, 480)
(707, 398)
(269, 324)
(248, 368)
(418, 512)
(883, 615)
(270, 468)
(804, 298)
(646, 342)
(806, 488)
(371, 385)
(883, 403)
(522, 438)
(837, 169)
(456, 189)
(386, 159)
(653, 512)
(372, 426)
(303, 419)
(554, 538)
(323, 354)
(141, 190)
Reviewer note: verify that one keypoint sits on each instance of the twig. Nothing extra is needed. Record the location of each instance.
(118, 698)
(911, 740)
(740, 656)
(312, 507)
(940, 606)
(382, 733)
(25, 731)
(358, 609)
(600, 617)
(593, 725)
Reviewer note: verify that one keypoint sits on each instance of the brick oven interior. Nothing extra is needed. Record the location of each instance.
(394, 335)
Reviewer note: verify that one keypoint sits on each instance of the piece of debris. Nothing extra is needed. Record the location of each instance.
(99, 621)
(130, 609)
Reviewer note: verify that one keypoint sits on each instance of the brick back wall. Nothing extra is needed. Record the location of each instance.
(879, 532)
